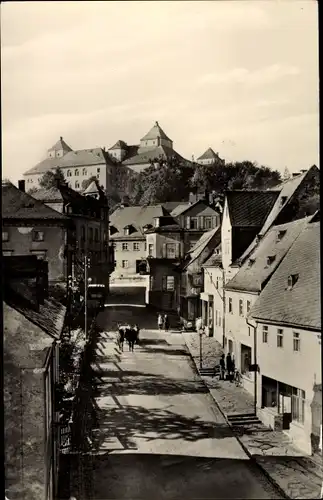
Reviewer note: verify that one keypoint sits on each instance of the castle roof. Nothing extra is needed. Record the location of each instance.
(119, 145)
(60, 145)
(151, 154)
(209, 154)
(155, 132)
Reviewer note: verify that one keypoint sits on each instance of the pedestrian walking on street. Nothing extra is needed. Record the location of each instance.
(166, 323)
(222, 367)
(160, 321)
(229, 365)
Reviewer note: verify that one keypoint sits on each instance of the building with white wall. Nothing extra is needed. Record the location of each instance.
(209, 157)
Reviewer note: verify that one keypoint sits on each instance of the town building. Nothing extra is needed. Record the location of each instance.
(29, 227)
(89, 214)
(209, 157)
(242, 291)
(32, 327)
(287, 319)
(153, 147)
(76, 166)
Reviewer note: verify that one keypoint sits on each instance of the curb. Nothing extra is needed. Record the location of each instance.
(243, 446)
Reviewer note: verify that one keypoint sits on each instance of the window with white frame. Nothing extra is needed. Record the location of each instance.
(265, 334)
(125, 264)
(126, 231)
(38, 236)
(5, 236)
(298, 405)
(248, 306)
(136, 246)
(168, 283)
(280, 337)
(69, 173)
(84, 171)
(77, 185)
(296, 342)
(125, 247)
(240, 307)
(217, 282)
(230, 305)
(76, 173)
(98, 170)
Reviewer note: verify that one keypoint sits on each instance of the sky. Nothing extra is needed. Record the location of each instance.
(238, 76)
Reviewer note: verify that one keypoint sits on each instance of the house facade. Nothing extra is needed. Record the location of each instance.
(287, 319)
(209, 157)
(76, 166)
(31, 228)
(32, 327)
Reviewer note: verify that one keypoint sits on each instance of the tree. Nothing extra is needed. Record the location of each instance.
(32, 190)
(50, 178)
(87, 182)
(286, 174)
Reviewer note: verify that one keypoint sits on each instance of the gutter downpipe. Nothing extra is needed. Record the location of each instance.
(255, 362)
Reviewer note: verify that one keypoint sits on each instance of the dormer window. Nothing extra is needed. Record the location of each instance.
(126, 231)
(270, 259)
(251, 262)
(156, 221)
(113, 230)
(292, 280)
(147, 226)
(281, 234)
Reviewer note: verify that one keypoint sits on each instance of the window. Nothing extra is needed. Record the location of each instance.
(292, 280)
(126, 231)
(5, 236)
(98, 170)
(193, 222)
(208, 222)
(76, 173)
(265, 334)
(150, 249)
(230, 305)
(168, 283)
(280, 336)
(145, 246)
(249, 331)
(136, 246)
(41, 254)
(69, 173)
(7, 253)
(240, 307)
(90, 234)
(298, 405)
(125, 247)
(217, 283)
(296, 342)
(38, 236)
(96, 234)
(124, 264)
(248, 306)
(77, 185)
(170, 250)
(84, 171)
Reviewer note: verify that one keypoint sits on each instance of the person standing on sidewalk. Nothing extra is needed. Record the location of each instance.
(222, 367)
(160, 321)
(166, 323)
(229, 365)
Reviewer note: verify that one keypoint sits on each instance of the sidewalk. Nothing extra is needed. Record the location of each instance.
(296, 475)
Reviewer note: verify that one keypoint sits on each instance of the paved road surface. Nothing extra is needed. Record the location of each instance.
(161, 436)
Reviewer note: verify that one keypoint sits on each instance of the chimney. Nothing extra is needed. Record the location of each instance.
(296, 174)
(21, 185)
(103, 148)
(303, 170)
(61, 138)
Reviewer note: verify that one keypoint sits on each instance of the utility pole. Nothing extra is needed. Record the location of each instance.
(223, 310)
(256, 366)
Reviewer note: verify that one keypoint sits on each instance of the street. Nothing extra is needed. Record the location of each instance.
(160, 433)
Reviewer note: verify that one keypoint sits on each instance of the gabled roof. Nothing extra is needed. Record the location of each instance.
(143, 156)
(180, 208)
(287, 190)
(254, 273)
(52, 194)
(60, 145)
(202, 243)
(183, 209)
(250, 208)
(138, 217)
(92, 188)
(17, 204)
(209, 154)
(78, 158)
(119, 145)
(173, 206)
(155, 132)
(299, 306)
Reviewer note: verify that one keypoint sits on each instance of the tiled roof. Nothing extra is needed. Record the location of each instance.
(287, 190)
(209, 154)
(250, 208)
(145, 156)
(52, 194)
(137, 217)
(215, 260)
(92, 188)
(155, 132)
(300, 305)
(180, 209)
(79, 158)
(173, 206)
(252, 275)
(200, 245)
(119, 145)
(17, 204)
(60, 145)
